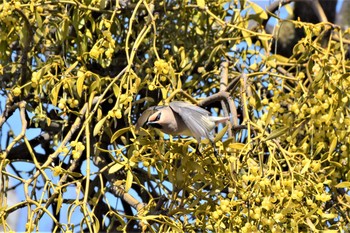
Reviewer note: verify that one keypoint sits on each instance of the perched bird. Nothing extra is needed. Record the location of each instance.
(181, 118)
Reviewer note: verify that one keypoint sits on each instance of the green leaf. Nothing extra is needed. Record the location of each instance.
(99, 125)
(129, 179)
(119, 133)
(277, 133)
(116, 167)
(345, 184)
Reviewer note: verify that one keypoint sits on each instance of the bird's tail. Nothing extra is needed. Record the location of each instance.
(219, 120)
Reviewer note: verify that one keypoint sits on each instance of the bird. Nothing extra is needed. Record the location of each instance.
(181, 118)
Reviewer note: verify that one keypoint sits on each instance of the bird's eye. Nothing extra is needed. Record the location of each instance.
(158, 116)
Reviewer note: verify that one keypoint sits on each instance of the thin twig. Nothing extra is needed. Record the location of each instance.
(223, 86)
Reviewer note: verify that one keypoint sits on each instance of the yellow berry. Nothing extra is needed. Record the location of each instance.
(17, 91)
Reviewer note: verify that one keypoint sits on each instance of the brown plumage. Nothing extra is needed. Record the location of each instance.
(181, 118)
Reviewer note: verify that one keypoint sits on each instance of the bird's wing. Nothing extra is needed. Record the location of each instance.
(195, 118)
(145, 115)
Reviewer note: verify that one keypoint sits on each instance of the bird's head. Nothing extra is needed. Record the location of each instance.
(155, 120)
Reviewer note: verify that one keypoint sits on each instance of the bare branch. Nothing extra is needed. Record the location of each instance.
(21, 151)
(117, 190)
(10, 108)
(22, 106)
(317, 8)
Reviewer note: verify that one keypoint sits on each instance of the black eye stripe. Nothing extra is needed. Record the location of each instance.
(155, 125)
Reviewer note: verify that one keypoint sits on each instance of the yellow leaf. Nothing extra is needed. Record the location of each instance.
(71, 67)
(95, 85)
(319, 147)
(332, 146)
(129, 179)
(99, 125)
(347, 197)
(179, 83)
(306, 167)
(345, 184)
(199, 31)
(278, 58)
(116, 89)
(59, 202)
(311, 225)
(80, 85)
(259, 11)
(96, 224)
(164, 93)
(116, 167)
(269, 116)
(119, 133)
(54, 93)
(238, 146)
(180, 176)
(99, 114)
(333, 163)
(48, 121)
(222, 132)
(247, 37)
(201, 3)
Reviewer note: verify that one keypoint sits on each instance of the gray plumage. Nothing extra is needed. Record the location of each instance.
(181, 118)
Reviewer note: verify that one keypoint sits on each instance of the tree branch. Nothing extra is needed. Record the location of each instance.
(10, 108)
(317, 8)
(22, 106)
